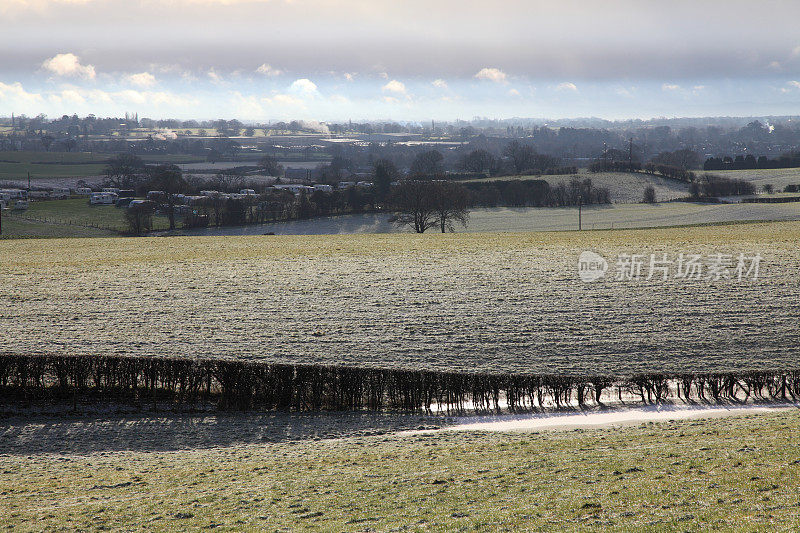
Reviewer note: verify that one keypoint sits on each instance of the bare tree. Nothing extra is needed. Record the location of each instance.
(124, 171)
(451, 204)
(169, 180)
(269, 166)
(413, 203)
(429, 204)
(649, 195)
(140, 217)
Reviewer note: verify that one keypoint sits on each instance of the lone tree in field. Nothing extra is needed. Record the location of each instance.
(269, 166)
(140, 217)
(429, 204)
(414, 206)
(451, 204)
(649, 195)
(124, 171)
(169, 180)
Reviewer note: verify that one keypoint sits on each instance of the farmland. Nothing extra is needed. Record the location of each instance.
(625, 187)
(465, 302)
(14, 166)
(738, 473)
(510, 219)
(778, 178)
(77, 211)
(19, 228)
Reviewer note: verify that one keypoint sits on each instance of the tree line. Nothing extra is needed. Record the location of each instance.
(749, 161)
(153, 382)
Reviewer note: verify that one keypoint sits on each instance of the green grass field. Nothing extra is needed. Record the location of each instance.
(77, 212)
(14, 166)
(733, 474)
(16, 228)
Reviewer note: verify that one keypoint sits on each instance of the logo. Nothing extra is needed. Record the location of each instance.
(591, 266)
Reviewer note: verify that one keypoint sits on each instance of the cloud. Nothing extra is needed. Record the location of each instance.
(670, 87)
(304, 87)
(69, 65)
(513, 92)
(142, 79)
(439, 84)
(212, 74)
(348, 76)
(268, 70)
(286, 99)
(567, 86)
(72, 96)
(16, 92)
(623, 91)
(794, 84)
(492, 74)
(395, 87)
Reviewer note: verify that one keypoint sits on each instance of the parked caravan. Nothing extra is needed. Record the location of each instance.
(103, 198)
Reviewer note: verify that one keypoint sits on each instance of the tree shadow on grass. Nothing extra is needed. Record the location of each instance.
(159, 431)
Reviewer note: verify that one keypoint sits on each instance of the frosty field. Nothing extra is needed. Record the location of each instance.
(463, 302)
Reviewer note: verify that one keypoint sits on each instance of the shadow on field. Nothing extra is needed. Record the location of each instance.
(32, 435)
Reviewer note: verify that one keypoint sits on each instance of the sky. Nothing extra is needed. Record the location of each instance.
(404, 60)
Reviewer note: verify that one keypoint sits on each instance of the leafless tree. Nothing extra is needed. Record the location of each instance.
(451, 204)
(413, 204)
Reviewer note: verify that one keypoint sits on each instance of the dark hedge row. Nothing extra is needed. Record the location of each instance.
(145, 381)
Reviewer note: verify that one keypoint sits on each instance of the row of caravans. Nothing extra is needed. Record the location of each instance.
(14, 199)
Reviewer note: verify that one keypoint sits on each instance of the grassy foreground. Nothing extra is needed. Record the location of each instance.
(737, 474)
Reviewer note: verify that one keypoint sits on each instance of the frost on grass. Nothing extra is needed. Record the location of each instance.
(510, 302)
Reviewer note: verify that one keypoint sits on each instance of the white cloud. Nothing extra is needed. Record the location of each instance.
(492, 74)
(567, 86)
(623, 91)
(286, 99)
(69, 65)
(391, 100)
(212, 74)
(268, 70)
(439, 84)
(304, 87)
(248, 106)
(794, 84)
(383, 75)
(699, 88)
(395, 87)
(142, 79)
(72, 96)
(348, 76)
(670, 87)
(15, 92)
(513, 92)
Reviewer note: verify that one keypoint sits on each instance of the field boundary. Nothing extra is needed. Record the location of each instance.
(63, 222)
(244, 385)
